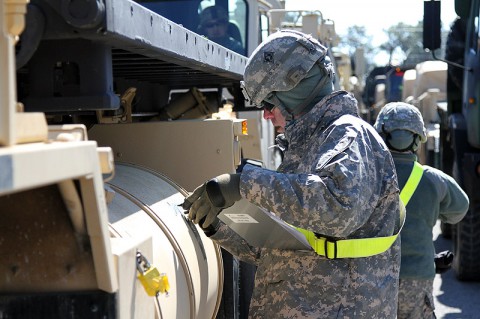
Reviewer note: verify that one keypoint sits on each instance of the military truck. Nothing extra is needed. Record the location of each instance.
(104, 128)
(460, 123)
(425, 87)
(382, 85)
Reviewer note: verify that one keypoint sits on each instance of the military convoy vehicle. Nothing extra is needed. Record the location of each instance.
(460, 122)
(104, 128)
(109, 116)
(425, 87)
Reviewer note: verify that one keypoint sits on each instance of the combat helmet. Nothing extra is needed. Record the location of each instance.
(280, 63)
(213, 13)
(400, 116)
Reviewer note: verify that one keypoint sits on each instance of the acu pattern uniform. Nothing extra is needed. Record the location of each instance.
(437, 196)
(337, 179)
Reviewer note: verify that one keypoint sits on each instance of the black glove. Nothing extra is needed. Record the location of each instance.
(209, 199)
(443, 261)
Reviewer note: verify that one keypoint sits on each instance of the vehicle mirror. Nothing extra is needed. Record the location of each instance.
(431, 25)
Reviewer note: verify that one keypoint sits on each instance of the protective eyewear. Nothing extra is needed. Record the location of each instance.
(267, 106)
(270, 102)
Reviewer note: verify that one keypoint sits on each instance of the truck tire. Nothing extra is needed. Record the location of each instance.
(446, 230)
(466, 240)
(229, 307)
(467, 246)
(237, 289)
(247, 282)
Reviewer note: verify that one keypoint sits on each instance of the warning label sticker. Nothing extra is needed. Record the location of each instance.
(241, 218)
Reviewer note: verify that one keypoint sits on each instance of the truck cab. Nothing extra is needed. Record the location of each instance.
(106, 125)
(460, 122)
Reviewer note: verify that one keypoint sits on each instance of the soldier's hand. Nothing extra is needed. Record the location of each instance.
(210, 198)
(443, 261)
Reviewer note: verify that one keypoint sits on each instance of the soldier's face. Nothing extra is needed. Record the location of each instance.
(277, 118)
(216, 29)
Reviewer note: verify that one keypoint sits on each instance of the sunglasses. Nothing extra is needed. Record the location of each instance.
(270, 102)
(267, 106)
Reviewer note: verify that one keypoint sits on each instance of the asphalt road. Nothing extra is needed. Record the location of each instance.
(454, 299)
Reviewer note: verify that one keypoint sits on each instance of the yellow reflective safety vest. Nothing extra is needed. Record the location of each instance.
(365, 247)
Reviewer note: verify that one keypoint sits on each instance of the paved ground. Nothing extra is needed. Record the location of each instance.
(454, 299)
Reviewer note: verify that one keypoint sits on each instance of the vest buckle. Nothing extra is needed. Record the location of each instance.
(327, 254)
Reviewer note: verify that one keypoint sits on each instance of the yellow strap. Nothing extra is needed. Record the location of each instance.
(364, 247)
(412, 183)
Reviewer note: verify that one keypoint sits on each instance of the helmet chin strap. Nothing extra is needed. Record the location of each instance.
(276, 101)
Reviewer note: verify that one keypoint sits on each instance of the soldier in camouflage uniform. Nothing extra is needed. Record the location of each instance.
(437, 196)
(337, 179)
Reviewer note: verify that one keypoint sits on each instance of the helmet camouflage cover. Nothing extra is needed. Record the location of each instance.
(401, 116)
(280, 63)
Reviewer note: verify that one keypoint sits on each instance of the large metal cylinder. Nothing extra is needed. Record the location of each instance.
(146, 203)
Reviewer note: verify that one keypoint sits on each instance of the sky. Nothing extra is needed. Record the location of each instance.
(375, 15)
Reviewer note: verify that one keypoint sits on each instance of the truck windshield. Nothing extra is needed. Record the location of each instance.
(222, 21)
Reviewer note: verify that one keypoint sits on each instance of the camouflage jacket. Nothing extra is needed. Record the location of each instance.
(437, 196)
(337, 179)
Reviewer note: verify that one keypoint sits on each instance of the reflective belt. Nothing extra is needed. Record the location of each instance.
(364, 247)
(412, 183)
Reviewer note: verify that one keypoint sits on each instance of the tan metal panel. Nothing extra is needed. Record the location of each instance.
(188, 152)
